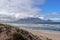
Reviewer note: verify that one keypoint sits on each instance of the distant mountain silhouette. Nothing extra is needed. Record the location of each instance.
(34, 20)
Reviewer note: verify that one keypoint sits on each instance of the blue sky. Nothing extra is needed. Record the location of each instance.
(50, 7)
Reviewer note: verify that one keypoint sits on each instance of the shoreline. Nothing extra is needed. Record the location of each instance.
(46, 31)
(54, 35)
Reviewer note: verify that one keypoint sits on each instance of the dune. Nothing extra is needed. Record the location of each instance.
(8, 32)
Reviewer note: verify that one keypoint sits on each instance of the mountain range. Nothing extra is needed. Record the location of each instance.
(35, 21)
(32, 20)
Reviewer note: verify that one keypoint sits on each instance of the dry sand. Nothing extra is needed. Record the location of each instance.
(54, 35)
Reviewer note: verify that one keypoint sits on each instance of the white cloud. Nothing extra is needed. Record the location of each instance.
(55, 19)
(19, 8)
(51, 15)
(40, 2)
(55, 14)
(41, 17)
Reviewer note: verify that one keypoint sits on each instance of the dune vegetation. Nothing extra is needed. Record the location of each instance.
(8, 32)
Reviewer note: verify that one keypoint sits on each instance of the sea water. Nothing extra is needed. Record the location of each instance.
(54, 27)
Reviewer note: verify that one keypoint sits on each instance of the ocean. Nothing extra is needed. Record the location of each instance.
(53, 27)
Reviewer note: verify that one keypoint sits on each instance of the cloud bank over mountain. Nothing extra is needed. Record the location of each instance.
(19, 8)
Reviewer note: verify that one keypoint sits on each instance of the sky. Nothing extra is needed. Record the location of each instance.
(15, 9)
(50, 9)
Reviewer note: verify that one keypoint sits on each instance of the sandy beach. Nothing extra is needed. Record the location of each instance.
(54, 35)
